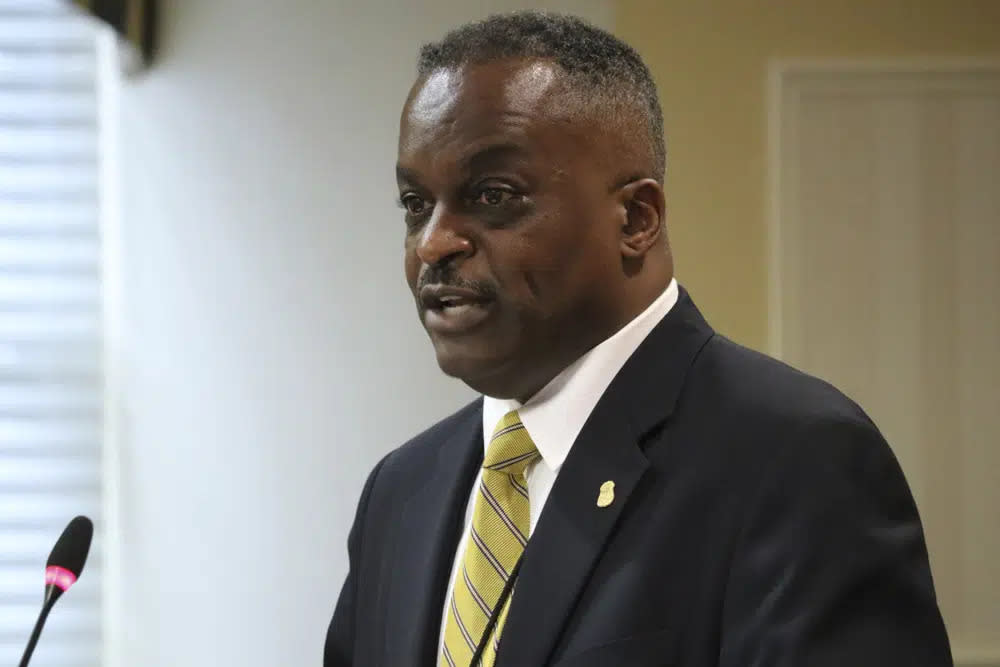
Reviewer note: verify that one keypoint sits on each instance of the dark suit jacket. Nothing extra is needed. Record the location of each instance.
(759, 519)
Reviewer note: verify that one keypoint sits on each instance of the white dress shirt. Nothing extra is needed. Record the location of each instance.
(554, 416)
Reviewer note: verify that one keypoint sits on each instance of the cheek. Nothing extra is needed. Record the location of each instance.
(411, 265)
(536, 272)
(564, 264)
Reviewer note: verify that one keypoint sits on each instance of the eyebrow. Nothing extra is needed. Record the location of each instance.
(406, 175)
(485, 158)
(492, 155)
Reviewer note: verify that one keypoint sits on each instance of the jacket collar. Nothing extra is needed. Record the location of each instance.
(573, 530)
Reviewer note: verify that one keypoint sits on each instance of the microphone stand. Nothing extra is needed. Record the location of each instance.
(52, 594)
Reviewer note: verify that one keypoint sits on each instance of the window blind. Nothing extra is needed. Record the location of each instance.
(50, 323)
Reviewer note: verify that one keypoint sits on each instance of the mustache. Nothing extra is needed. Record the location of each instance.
(446, 276)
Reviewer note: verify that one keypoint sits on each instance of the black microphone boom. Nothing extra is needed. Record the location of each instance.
(61, 571)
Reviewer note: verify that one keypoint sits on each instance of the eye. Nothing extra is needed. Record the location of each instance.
(413, 204)
(493, 196)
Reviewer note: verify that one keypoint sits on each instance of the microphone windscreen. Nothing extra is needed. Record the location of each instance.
(70, 551)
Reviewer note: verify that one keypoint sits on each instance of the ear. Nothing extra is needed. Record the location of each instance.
(645, 215)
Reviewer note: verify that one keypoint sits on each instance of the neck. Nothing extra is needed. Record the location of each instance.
(636, 301)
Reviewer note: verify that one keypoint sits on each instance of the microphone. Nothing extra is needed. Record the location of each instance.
(61, 571)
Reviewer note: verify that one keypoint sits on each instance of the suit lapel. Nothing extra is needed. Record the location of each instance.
(573, 531)
(568, 540)
(429, 528)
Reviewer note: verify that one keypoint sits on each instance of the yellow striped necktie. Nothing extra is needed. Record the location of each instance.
(499, 533)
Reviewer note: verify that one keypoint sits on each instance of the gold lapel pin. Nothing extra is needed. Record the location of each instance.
(607, 494)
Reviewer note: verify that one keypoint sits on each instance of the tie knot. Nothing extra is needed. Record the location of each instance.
(510, 450)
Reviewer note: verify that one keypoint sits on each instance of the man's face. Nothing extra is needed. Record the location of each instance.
(512, 224)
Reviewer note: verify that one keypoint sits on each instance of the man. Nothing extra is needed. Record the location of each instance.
(633, 489)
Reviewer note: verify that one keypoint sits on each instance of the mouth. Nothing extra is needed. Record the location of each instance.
(452, 310)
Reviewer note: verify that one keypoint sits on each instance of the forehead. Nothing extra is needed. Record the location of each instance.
(451, 112)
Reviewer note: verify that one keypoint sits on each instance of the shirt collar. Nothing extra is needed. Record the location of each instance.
(555, 416)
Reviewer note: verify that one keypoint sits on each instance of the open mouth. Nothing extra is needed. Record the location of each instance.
(456, 304)
(453, 310)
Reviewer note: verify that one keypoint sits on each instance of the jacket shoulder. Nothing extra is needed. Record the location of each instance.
(756, 387)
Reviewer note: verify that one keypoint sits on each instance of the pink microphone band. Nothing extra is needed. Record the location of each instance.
(59, 576)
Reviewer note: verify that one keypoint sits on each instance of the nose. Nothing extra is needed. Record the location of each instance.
(442, 239)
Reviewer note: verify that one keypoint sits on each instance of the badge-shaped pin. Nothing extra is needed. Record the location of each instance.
(607, 494)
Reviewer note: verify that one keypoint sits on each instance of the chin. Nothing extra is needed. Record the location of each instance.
(467, 368)
(478, 371)
(489, 374)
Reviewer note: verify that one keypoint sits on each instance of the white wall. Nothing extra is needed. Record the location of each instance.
(269, 351)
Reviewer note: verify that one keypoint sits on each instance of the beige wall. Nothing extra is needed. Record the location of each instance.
(710, 61)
